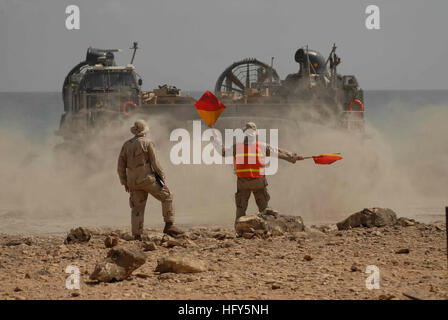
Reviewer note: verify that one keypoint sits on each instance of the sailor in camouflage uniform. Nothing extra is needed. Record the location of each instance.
(137, 169)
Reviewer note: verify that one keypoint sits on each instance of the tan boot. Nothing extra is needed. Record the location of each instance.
(172, 230)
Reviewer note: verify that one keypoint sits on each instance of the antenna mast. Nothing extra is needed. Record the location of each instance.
(134, 47)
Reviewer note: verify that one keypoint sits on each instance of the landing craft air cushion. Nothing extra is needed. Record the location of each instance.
(97, 90)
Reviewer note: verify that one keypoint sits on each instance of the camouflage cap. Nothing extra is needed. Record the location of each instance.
(140, 127)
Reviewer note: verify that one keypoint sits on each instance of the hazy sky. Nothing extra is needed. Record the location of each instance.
(188, 43)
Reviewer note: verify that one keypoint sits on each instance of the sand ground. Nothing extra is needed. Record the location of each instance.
(304, 265)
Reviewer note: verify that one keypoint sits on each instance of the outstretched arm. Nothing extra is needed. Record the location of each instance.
(282, 154)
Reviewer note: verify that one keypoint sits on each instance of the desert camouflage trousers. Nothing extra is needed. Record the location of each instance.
(137, 201)
(245, 186)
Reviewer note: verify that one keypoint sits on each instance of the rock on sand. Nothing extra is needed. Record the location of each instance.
(180, 265)
(374, 217)
(118, 265)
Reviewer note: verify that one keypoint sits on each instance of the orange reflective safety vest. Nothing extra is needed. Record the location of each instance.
(249, 161)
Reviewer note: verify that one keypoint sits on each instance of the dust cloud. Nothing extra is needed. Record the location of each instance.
(43, 189)
(403, 168)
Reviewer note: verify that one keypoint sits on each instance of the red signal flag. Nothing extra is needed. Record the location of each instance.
(209, 108)
(328, 158)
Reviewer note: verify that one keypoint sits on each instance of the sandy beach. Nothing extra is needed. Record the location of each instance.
(319, 263)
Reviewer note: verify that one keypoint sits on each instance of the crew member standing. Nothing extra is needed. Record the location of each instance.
(137, 169)
(249, 168)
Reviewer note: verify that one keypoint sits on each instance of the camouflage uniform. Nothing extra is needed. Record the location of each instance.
(136, 166)
(257, 186)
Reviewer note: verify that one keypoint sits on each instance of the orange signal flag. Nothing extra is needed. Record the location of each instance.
(209, 108)
(328, 158)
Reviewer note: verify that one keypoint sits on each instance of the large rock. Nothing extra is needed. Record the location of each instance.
(284, 223)
(374, 217)
(78, 235)
(180, 265)
(118, 265)
(246, 224)
(269, 221)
